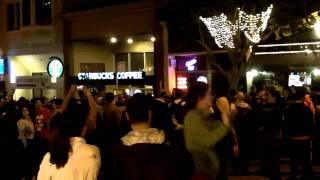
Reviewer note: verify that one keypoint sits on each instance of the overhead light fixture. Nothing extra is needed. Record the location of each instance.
(130, 40)
(308, 51)
(317, 27)
(153, 39)
(290, 44)
(316, 72)
(253, 73)
(113, 40)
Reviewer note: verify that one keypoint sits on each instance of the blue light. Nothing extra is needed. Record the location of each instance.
(1, 66)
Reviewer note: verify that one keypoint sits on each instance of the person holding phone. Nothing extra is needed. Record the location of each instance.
(202, 132)
(69, 156)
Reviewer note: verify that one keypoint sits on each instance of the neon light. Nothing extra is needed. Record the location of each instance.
(290, 44)
(308, 51)
(110, 75)
(182, 83)
(191, 64)
(203, 79)
(13, 73)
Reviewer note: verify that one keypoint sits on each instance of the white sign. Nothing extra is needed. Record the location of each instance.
(34, 82)
(55, 67)
(182, 82)
(202, 79)
(110, 75)
(191, 64)
(96, 76)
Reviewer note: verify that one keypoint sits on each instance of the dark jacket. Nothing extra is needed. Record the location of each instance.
(150, 162)
(162, 118)
(298, 120)
(269, 116)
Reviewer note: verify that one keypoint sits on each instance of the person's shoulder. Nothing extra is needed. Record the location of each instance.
(193, 113)
(46, 160)
(20, 121)
(88, 151)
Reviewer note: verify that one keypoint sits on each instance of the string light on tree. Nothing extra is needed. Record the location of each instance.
(253, 25)
(223, 31)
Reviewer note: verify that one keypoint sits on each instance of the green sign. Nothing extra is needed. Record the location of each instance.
(55, 67)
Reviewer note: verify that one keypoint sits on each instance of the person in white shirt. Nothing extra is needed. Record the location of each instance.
(25, 127)
(69, 157)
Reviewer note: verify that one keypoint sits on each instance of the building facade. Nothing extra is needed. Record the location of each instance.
(107, 46)
(31, 34)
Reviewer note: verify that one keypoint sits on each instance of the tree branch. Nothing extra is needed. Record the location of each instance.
(219, 67)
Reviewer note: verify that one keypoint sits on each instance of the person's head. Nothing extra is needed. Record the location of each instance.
(59, 143)
(25, 112)
(199, 96)
(139, 109)
(63, 126)
(109, 97)
(38, 104)
(240, 96)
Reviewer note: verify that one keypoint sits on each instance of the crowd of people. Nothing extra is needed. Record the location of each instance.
(186, 135)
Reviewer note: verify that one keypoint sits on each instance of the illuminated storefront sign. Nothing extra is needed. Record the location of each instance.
(55, 67)
(202, 79)
(191, 64)
(136, 75)
(182, 82)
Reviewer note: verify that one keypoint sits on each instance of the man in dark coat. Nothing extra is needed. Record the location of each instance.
(143, 153)
(162, 116)
(297, 129)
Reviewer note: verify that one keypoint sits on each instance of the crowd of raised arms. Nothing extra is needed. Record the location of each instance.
(185, 135)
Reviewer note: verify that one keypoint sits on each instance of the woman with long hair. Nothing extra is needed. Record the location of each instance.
(202, 132)
(69, 156)
(25, 126)
(26, 134)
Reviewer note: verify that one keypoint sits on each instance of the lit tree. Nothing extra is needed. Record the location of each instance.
(237, 26)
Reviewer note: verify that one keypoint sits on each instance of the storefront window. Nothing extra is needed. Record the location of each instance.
(149, 67)
(26, 7)
(43, 12)
(137, 61)
(121, 61)
(10, 17)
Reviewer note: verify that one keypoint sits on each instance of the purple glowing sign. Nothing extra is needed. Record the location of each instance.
(191, 64)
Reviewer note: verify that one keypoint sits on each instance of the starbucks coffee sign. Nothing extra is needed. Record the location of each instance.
(134, 75)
